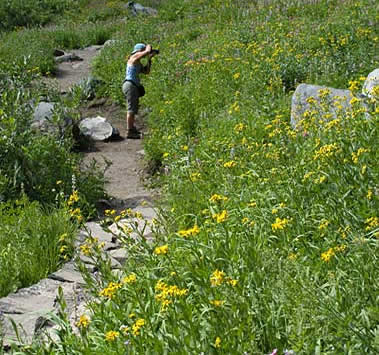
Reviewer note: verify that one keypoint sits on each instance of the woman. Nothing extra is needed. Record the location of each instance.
(132, 87)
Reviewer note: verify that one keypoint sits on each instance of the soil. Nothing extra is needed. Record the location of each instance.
(124, 180)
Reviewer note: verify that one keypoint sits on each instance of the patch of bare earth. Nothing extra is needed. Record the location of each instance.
(125, 156)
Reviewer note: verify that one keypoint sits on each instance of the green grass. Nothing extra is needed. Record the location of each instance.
(34, 242)
(268, 236)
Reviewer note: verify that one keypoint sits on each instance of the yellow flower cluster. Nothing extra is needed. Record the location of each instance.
(136, 327)
(195, 176)
(279, 223)
(111, 335)
(230, 164)
(325, 151)
(217, 343)
(326, 256)
(74, 197)
(217, 303)
(83, 321)
(161, 250)
(372, 222)
(186, 233)
(217, 198)
(218, 277)
(323, 225)
(91, 244)
(239, 127)
(167, 293)
(355, 155)
(130, 279)
(110, 290)
(221, 216)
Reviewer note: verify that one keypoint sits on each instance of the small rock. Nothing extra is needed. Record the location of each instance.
(70, 57)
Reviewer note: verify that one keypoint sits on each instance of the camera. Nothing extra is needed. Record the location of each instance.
(154, 51)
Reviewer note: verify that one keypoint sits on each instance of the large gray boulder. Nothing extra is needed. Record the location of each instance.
(48, 119)
(97, 128)
(328, 101)
(370, 83)
(138, 9)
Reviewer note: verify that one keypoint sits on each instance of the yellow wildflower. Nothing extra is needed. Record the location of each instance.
(220, 217)
(189, 232)
(111, 335)
(74, 197)
(231, 282)
(110, 290)
(83, 321)
(161, 250)
(85, 249)
(279, 223)
(137, 326)
(239, 127)
(217, 277)
(230, 164)
(326, 256)
(195, 176)
(217, 303)
(217, 343)
(325, 151)
(130, 279)
(372, 222)
(217, 198)
(323, 225)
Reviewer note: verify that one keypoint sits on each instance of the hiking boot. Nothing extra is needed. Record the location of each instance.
(133, 133)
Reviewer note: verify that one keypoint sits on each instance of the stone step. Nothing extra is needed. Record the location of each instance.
(31, 308)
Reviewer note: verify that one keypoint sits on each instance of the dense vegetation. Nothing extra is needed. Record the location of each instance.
(38, 172)
(268, 236)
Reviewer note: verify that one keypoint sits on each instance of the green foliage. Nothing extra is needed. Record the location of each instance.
(267, 236)
(34, 242)
(21, 13)
(31, 162)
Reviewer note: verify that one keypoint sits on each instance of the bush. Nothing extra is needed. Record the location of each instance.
(33, 163)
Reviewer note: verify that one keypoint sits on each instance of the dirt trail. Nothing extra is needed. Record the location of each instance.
(124, 183)
(31, 308)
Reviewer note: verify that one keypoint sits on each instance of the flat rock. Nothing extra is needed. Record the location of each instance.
(67, 273)
(120, 255)
(97, 128)
(96, 231)
(30, 308)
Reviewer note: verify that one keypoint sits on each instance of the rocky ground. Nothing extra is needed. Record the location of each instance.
(31, 308)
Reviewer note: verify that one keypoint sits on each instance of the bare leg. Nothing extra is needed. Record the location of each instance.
(132, 130)
(130, 120)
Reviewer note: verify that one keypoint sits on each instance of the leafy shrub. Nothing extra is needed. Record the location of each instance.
(32, 162)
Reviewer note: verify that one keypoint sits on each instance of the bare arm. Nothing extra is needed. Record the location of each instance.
(137, 56)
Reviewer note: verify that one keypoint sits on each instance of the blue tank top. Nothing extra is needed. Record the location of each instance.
(132, 73)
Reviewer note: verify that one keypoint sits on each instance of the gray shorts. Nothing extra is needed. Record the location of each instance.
(132, 96)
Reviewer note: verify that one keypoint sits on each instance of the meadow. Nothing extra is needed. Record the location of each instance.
(267, 236)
